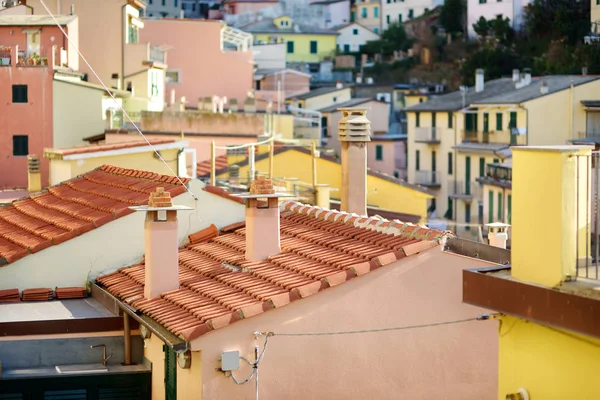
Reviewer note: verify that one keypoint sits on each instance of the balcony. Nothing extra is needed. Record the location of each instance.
(590, 136)
(475, 136)
(428, 178)
(427, 135)
(464, 190)
(23, 58)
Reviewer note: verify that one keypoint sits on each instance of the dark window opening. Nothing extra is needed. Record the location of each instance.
(20, 145)
(19, 94)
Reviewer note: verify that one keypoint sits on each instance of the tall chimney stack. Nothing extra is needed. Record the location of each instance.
(262, 220)
(516, 76)
(479, 80)
(354, 131)
(34, 174)
(161, 245)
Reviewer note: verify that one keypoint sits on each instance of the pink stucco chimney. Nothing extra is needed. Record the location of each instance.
(161, 247)
(262, 221)
(354, 132)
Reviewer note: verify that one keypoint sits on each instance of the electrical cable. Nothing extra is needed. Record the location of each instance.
(76, 47)
(481, 317)
(258, 358)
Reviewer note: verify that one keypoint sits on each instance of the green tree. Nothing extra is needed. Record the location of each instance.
(496, 61)
(453, 15)
(394, 38)
(557, 20)
(482, 27)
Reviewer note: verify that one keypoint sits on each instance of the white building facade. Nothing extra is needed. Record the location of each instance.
(491, 9)
(352, 36)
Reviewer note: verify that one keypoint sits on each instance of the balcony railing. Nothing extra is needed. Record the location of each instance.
(590, 135)
(427, 135)
(24, 58)
(464, 189)
(428, 178)
(476, 137)
(588, 216)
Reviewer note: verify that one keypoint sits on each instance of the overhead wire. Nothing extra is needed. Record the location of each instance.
(481, 317)
(76, 47)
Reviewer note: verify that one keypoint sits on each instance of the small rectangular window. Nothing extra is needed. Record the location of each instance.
(399, 17)
(450, 209)
(376, 13)
(355, 31)
(387, 19)
(313, 47)
(418, 119)
(290, 47)
(379, 153)
(499, 122)
(411, 13)
(20, 145)
(433, 120)
(449, 120)
(164, 2)
(19, 94)
(363, 12)
(417, 160)
(481, 166)
(450, 164)
(175, 3)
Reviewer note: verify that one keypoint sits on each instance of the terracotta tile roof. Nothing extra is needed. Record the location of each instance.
(9, 296)
(203, 168)
(40, 294)
(223, 193)
(74, 207)
(320, 248)
(53, 153)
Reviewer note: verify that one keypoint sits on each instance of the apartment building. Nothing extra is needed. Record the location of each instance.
(453, 137)
(367, 13)
(164, 8)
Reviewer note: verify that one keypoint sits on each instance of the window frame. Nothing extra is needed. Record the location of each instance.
(26, 144)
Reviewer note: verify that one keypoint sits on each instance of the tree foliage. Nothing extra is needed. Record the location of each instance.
(567, 20)
(392, 39)
(453, 15)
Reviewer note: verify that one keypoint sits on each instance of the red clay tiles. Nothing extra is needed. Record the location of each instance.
(40, 294)
(57, 153)
(9, 296)
(223, 193)
(204, 235)
(203, 168)
(71, 293)
(320, 249)
(74, 207)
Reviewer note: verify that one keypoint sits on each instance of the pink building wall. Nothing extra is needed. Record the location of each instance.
(451, 362)
(206, 70)
(241, 7)
(34, 118)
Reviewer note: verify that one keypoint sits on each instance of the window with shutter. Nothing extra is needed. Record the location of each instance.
(170, 373)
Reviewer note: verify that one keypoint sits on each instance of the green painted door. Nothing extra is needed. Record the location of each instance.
(512, 124)
(490, 207)
(481, 166)
(486, 123)
(467, 175)
(170, 373)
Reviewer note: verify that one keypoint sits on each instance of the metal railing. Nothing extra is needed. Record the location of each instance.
(587, 193)
(463, 189)
(427, 178)
(475, 136)
(589, 134)
(427, 135)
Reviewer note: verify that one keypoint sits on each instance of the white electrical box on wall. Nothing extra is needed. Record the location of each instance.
(230, 360)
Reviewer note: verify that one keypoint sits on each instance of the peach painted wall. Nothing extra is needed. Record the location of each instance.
(243, 7)
(33, 119)
(200, 143)
(206, 70)
(451, 362)
(290, 83)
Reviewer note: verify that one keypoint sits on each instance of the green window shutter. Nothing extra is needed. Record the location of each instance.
(290, 47)
(433, 121)
(496, 161)
(450, 120)
(433, 161)
(486, 123)
(490, 206)
(481, 166)
(418, 119)
(313, 47)
(509, 206)
(512, 123)
(417, 160)
(364, 12)
(379, 152)
(500, 206)
(467, 215)
(499, 122)
(170, 373)
(450, 209)
(450, 164)
(376, 13)
(468, 175)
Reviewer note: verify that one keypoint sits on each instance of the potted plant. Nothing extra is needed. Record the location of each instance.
(44, 60)
(35, 57)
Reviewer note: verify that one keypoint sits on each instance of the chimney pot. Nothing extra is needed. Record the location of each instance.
(339, 85)
(543, 87)
(515, 75)
(498, 234)
(479, 80)
(354, 130)
(262, 221)
(34, 175)
(584, 71)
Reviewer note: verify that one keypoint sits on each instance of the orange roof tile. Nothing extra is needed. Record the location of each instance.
(71, 208)
(203, 168)
(320, 248)
(105, 147)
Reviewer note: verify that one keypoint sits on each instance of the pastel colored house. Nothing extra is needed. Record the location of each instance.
(306, 44)
(496, 192)
(331, 12)
(368, 14)
(120, 57)
(230, 72)
(246, 6)
(163, 9)
(322, 97)
(540, 348)
(82, 212)
(401, 11)
(291, 82)
(42, 89)
(513, 10)
(352, 36)
(269, 55)
(291, 268)
(450, 141)
(68, 163)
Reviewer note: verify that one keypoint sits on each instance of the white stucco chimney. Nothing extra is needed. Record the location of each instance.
(543, 87)
(515, 75)
(479, 80)
(498, 234)
(339, 85)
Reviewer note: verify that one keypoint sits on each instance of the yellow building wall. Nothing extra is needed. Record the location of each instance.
(71, 127)
(325, 48)
(548, 363)
(61, 170)
(414, 100)
(189, 381)
(371, 21)
(594, 12)
(153, 352)
(325, 100)
(556, 128)
(497, 192)
(381, 193)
